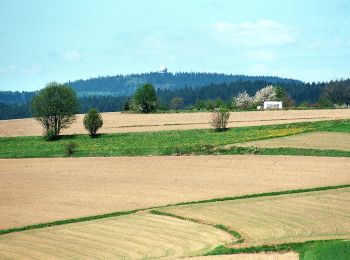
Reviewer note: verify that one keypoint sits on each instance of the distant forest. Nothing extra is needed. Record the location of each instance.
(108, 94)
(125, 85)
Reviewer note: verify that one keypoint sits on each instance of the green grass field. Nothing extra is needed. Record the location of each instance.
(325, 250)
(168, 142)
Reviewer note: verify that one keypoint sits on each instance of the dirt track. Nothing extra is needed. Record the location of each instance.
(121, 122)
(42, 190)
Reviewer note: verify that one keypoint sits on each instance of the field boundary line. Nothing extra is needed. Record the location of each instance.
(122, 213)
(235, 234)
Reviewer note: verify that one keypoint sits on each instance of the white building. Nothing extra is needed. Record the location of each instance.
(163, 69)
(273, 105)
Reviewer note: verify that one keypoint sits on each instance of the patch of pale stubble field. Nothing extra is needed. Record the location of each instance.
(320, 215)
(135, 236)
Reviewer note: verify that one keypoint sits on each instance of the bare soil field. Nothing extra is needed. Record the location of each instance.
(279, 219)
(259, 256)
(126, 237)
(314, 140)
(124, 122)
(42, 190)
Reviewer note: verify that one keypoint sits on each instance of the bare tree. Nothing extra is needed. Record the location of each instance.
(220, 119)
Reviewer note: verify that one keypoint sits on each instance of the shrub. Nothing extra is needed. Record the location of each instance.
(325, 102)
(220, 119)
(70, 148)
(93, 121)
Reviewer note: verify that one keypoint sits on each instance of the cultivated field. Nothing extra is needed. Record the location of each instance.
(122, 122)
(133, 236)
(279, 219)
(42, 190)
(315, 140)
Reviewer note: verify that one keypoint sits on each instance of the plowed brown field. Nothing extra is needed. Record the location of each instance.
(121, 122)
(41, 190)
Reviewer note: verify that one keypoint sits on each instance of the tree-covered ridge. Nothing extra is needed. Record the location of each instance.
(16, 104)
(125, 85)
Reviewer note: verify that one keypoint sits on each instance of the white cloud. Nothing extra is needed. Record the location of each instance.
(258, 34)
(71, 55)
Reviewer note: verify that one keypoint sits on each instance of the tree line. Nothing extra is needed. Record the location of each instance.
(17, 104)
(56, 105)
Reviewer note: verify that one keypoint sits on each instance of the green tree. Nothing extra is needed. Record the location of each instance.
(145, 98)
(338, 92)
(93, 121)
(54, 107)
(280, 92)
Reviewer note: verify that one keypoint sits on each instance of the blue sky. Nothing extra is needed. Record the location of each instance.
(43, 41)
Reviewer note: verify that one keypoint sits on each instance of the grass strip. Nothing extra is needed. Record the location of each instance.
(174, 142)
(161, 213)
(275, 151)
(309, 250)
(235, 234)
(222, 250)
(121, 213)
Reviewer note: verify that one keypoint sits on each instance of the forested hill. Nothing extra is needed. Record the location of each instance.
(108, 94)
(125, 85)
(17, 104)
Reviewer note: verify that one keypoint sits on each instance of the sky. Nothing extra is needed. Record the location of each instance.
(45, 40)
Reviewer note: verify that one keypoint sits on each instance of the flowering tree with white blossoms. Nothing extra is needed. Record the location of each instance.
(267, 93)
(243, 100)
